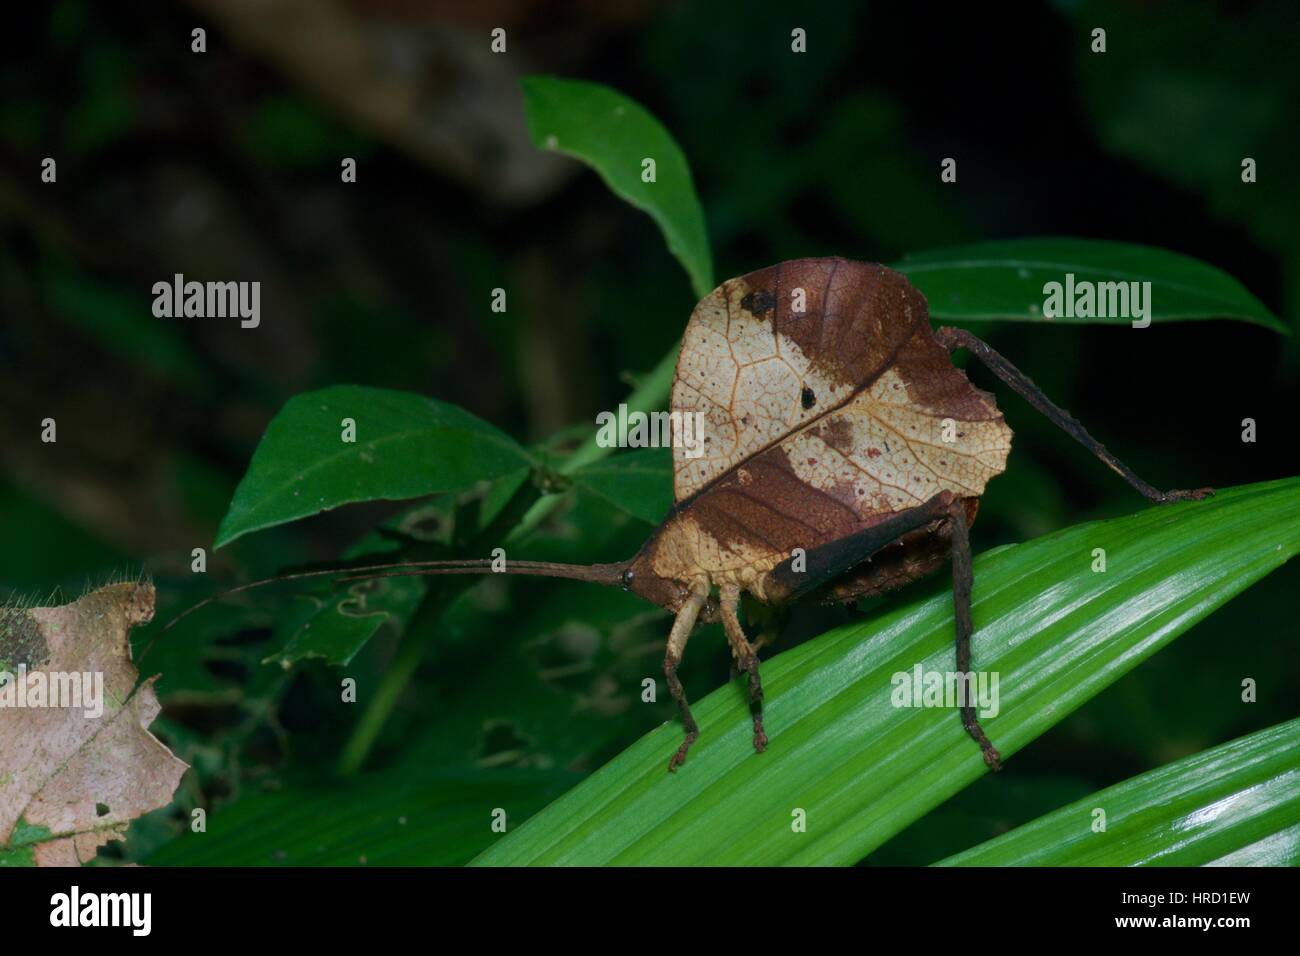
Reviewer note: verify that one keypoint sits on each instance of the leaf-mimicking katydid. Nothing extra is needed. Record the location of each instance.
(844, 456)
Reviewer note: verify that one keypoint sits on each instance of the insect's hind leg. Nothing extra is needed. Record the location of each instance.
(746, 656)
(962, 580)
(951, 338)
(682, 627)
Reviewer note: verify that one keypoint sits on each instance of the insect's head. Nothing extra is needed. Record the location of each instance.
(639, 577)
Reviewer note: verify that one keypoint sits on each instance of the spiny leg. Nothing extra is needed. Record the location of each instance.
(951, 338)
(682, 626)
(962, 579)
(746, 660)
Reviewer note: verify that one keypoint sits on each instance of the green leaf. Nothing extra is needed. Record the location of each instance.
(861, 768)
(613, 135)
(649, 395)
(1005, 280)
(406, 446)
(639, 483)
(393, 818)
(991, 805)
(1233, 805)
(334, 627)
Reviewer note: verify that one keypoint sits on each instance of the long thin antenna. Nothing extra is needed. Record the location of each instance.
(607, 574)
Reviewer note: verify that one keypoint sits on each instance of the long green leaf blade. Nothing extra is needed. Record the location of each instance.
(861, 769)
(1005, 280)
(1233, 805)
(406, 446)
(614, 135)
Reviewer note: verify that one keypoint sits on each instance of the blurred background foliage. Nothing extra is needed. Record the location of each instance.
(225, 165)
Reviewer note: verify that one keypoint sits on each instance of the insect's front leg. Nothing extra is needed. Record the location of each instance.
(683, 624)
(952, 338)
(746, 659)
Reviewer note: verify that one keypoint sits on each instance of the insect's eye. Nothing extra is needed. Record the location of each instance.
(627, 578)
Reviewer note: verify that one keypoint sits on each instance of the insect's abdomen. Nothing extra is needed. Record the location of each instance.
(915, 555)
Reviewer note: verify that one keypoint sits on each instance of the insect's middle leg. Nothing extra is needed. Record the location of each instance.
(963, 577)
(746, 656)
(682, 627)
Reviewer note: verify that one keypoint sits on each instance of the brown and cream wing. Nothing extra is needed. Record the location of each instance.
(858, 414)
(769, 352)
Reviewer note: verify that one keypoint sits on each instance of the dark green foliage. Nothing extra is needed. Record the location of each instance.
(474, 426)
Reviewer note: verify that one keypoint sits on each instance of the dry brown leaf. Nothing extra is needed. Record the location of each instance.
(70, 781)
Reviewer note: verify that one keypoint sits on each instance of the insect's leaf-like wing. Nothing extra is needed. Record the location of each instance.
(827, 405)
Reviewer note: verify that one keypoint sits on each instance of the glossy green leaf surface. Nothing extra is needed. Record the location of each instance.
(1233, 805)
(380, 819)
(1006, 280)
